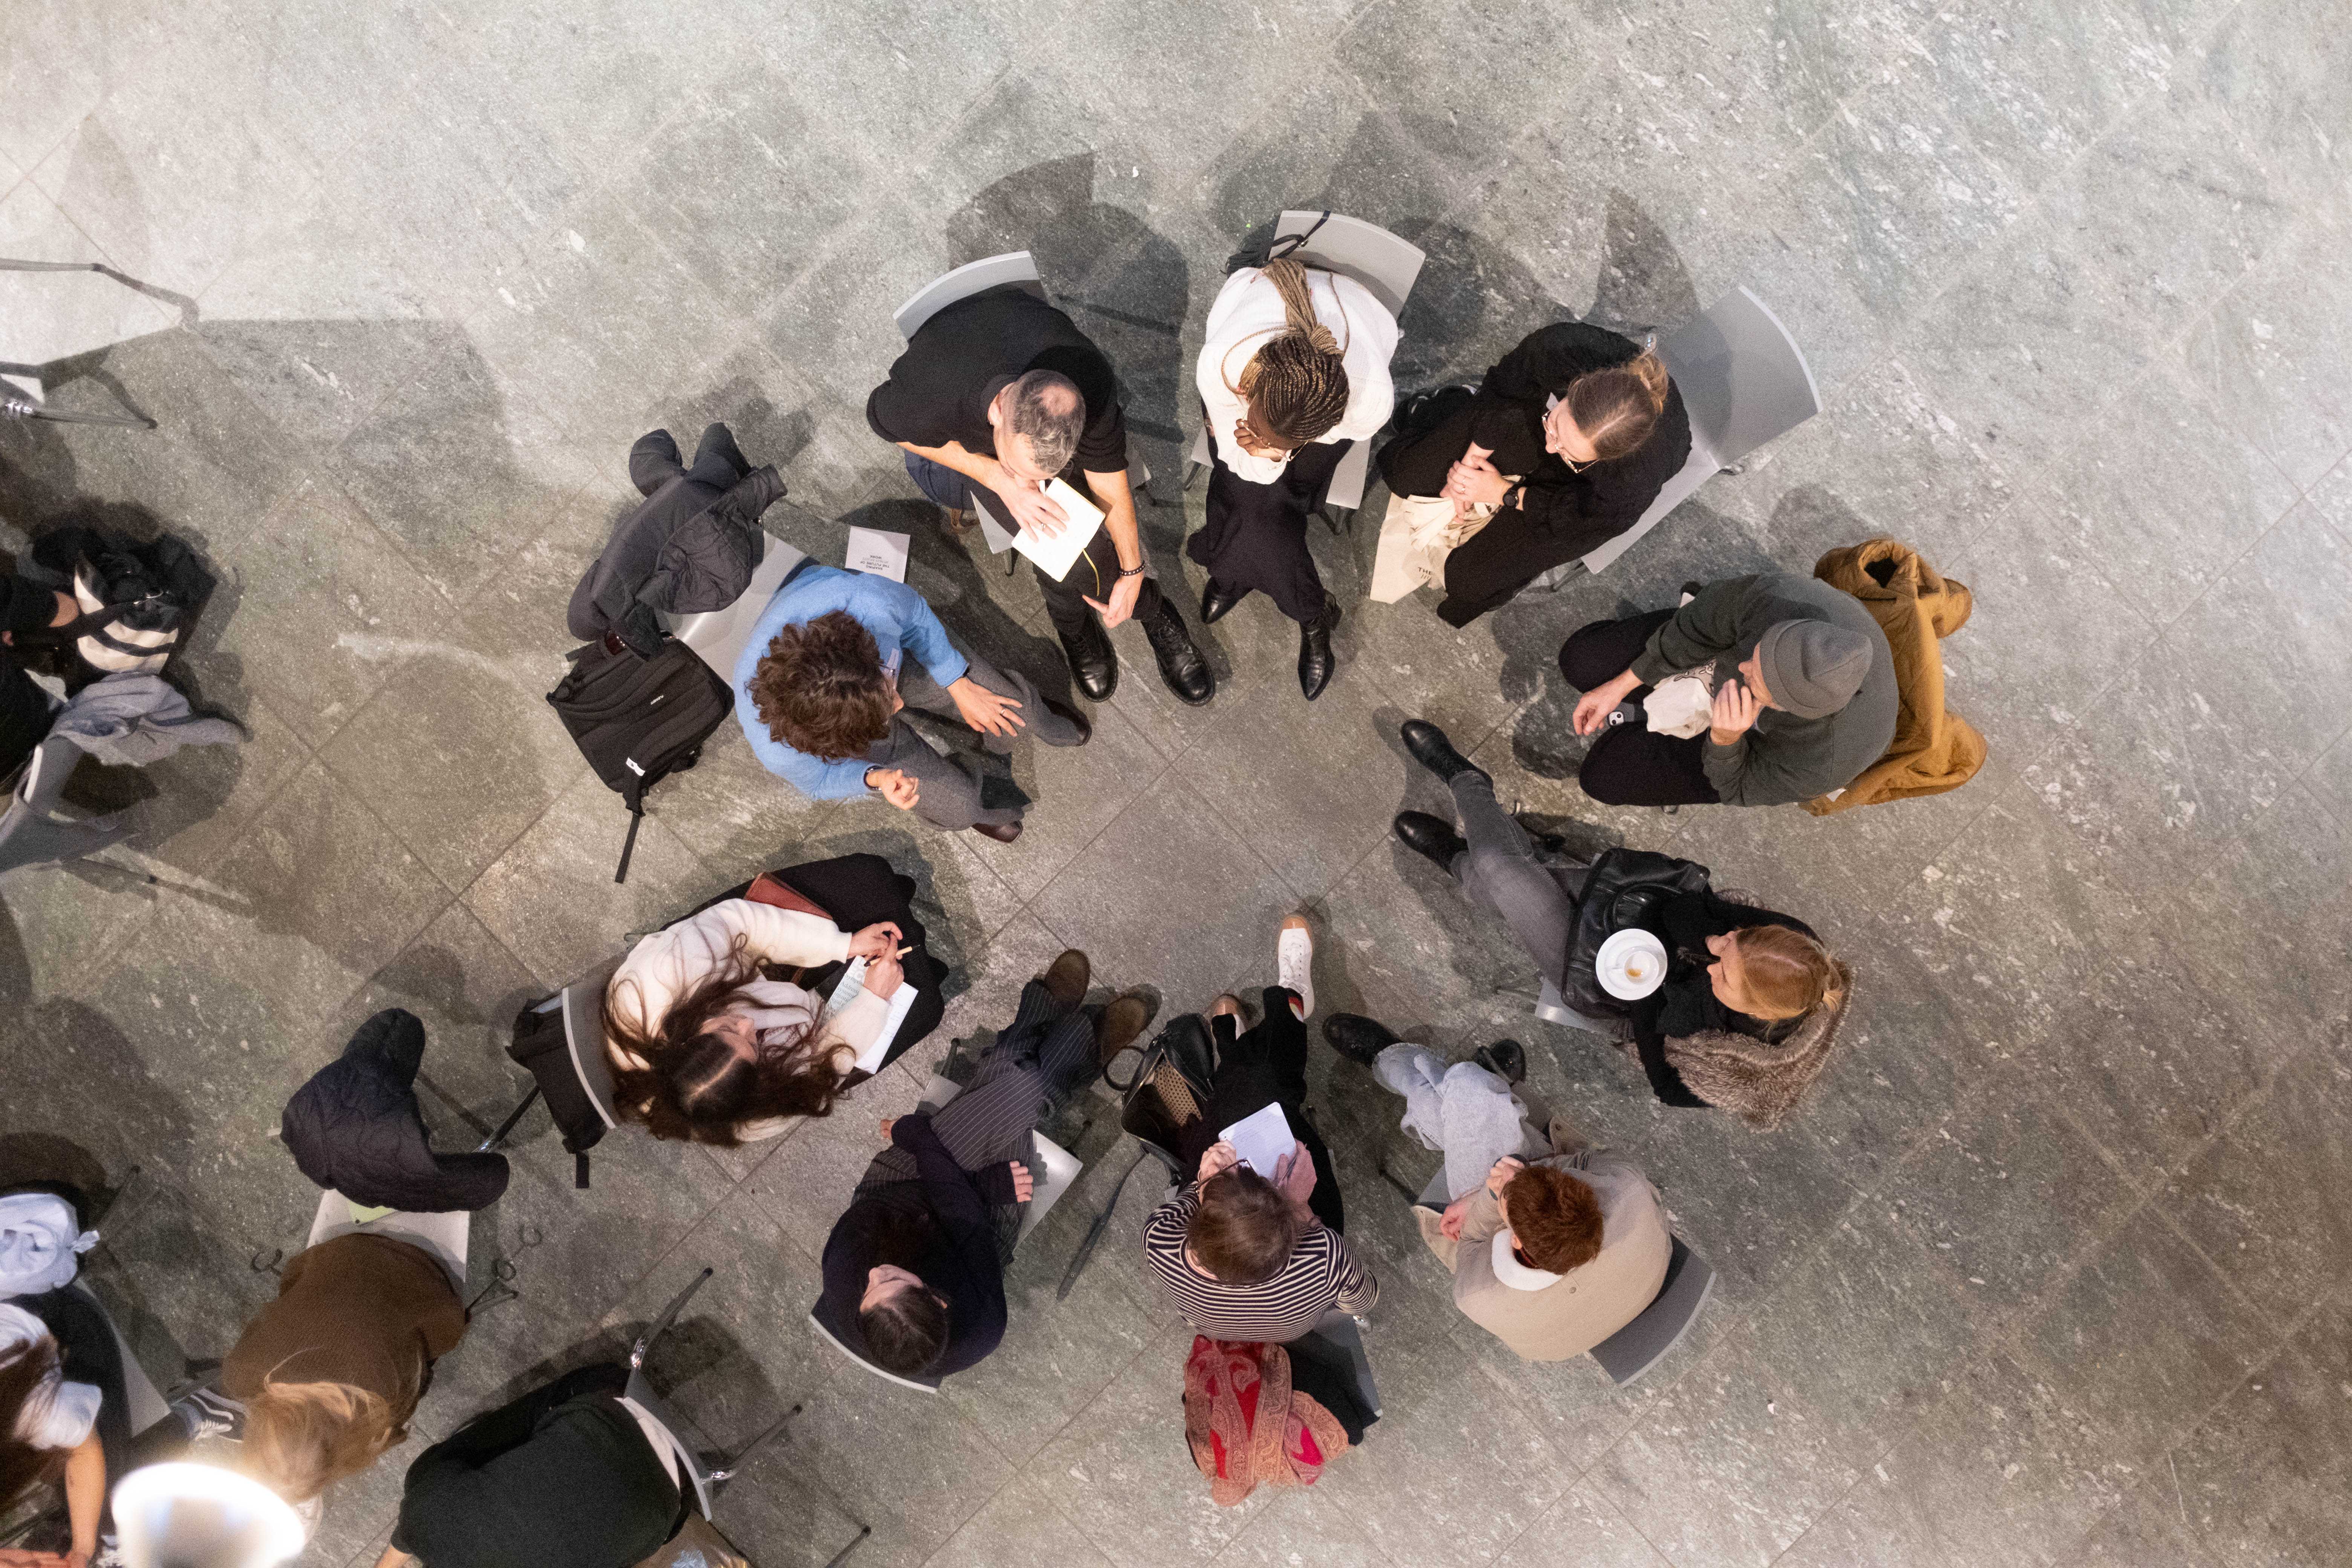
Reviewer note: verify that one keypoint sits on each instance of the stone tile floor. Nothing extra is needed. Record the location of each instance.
(2056, 1268)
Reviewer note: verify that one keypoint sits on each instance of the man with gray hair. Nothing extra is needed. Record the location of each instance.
(1000, 393)
(1803, 684)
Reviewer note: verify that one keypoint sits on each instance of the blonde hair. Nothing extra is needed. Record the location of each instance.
(1297, 383)
(301, 1438)
(1618, 408)
(1786, 972)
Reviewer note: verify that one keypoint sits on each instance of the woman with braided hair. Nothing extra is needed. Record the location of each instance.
(1295, 368)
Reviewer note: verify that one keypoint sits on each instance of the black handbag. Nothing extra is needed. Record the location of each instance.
(1624, 890)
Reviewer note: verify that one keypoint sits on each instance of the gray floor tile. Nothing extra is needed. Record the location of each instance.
(2150, 1530)
(2279, 66)
(1881, 1523)
(1018, 1525)
(1075, 792)
(2271, 353)
(1583, 1522)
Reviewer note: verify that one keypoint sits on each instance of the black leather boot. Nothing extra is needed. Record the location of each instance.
(1357, 1037)
(1217, 599)
(1187, 675)
(1093, 663)
(1431, 837)
(1427, 745)
(1507, 1060)
(1316, 661)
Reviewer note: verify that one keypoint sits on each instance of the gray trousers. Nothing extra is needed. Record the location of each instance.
(947, 789)
(1504, 874)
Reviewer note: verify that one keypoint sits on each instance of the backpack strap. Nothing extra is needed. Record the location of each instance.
(629, 845)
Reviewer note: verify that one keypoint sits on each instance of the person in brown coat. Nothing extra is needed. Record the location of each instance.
(1934, 748)
(330, 1371)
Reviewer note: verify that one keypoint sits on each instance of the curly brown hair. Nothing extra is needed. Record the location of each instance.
(820, 689)
(1555, 1218)
(695, 1087)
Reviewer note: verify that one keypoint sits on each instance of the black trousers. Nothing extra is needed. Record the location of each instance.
(1092, 575)
(719, 463)
(1266, 1067)
(1629, 765)
(1256, 536)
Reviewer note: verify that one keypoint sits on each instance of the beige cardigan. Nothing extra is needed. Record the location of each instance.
(673, 961)
(1578, 1309)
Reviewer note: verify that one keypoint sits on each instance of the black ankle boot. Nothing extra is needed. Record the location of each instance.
(1427, 745)
(1428, 836)
(1093, 664)
(1316, 661)
(1186, 673)
(1357, 1037)
(1217, 599)
(1507, 1060)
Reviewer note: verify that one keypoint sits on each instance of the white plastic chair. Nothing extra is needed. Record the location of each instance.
(1382, 263)
(705, 1479)
(718, 636)
(446, 1235)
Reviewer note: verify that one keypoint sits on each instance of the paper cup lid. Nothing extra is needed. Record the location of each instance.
(187, 1515)
(1630, 965)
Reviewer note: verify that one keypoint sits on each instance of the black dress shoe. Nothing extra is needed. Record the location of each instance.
(1182, 668)
(1427, 745)
(1357, 1037)
(1093, 663)
(1316, 661)
(1003, 832)
(1507, 1060)
(1070, 715)
(1217, 599)
(1433, 837)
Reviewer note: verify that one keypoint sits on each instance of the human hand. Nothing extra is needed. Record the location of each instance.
(1592, 709)
(1449, 1226)
(1031, 506)
(887, 1123)
(879, 939)
(884, 974)
(893, 786)
(983, 709)
(1294, 1174)
(1499, 1174)
(1217, 1158)
(1248, 442)
(1121, 604)
(1024, 1185)
(1734, 713)
(1476, 481)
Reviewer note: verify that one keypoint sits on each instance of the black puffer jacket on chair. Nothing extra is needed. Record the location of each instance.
(356, 1127)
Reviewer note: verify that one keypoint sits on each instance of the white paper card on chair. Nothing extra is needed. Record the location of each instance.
(1262, 1139)
(878, 552)
(1055, 556)
(901, 1002)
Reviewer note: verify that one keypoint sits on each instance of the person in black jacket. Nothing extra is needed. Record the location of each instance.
(356, 1127)
(914, 1270)
(1751, 1000)
(1570, 437)
(691, 547)
(565, 1475)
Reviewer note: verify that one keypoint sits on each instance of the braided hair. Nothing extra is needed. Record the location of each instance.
(1297, 383)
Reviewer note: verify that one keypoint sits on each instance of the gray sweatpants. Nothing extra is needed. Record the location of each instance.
(1503, 874)
(947, 789)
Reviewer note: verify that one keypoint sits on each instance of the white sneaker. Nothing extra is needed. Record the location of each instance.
(1294, 962)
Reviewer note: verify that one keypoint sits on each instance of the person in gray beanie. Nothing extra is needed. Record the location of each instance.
(1803, 695)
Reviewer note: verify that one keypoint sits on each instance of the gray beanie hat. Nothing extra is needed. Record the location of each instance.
(1811, 668)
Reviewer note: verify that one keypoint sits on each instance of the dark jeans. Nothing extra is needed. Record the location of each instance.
(1266, 1067)
(1629, 765)
(1093, 576)
(1255, 537)
(717, 462)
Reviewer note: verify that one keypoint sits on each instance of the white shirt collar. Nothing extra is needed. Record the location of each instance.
(1516, 1274)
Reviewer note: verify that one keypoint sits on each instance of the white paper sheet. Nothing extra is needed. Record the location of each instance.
(1055, 556)
(1262, 1139)
(878, 552)
(852, 980)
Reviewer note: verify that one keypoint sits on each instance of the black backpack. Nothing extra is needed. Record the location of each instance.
(638, 720)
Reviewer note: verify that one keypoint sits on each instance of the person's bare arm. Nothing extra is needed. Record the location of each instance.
(85, 1497)
(1117, 499)
(1031, 506)
(394, 1557)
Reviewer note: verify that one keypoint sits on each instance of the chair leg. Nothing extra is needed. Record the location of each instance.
(842, 1556)
(661, 1324)
(495, 1139)
(728, 1464)
(1389, 1176)
(1193, 471)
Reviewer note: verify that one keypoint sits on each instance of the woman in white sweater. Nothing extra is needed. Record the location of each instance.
(703, 1048)
(1294, 369)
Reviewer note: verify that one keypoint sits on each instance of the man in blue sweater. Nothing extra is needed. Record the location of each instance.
(821, 689)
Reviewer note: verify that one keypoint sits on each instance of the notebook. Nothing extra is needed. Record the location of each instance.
(1263, 1140)
(1055, 556)
(852, 980)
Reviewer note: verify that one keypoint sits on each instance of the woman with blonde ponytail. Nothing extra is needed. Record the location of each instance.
(1563, 448)
(1295, 368)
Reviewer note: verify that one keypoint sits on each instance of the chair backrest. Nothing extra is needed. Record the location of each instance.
(839, 1340)
(640, 1393)
(718, 636)
(583, 1037)
(1015, 266)
(1364, 251)
(1637, 1347)
(142, 1405)
(444, 1235)
(1743, 379)
(1337, 1344)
